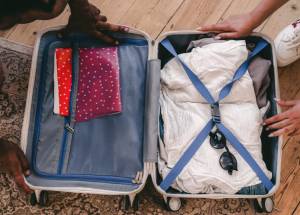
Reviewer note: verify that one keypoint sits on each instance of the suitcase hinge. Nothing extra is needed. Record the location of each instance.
(138, 178)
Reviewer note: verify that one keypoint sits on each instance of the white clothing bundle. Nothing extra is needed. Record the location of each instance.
(185, 112)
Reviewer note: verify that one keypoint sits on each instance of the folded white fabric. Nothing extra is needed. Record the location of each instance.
(185, 112)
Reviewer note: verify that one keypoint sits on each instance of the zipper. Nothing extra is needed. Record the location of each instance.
(62, 150)
(89, 178)
(70, 120)
(69, 128)
(122, 42)
(129, 41)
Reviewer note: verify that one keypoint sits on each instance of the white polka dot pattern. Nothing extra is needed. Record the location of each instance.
(98, 91)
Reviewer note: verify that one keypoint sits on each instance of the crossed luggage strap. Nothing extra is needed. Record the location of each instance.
(215, 120)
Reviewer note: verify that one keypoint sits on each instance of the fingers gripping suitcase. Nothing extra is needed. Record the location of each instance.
(114, 154)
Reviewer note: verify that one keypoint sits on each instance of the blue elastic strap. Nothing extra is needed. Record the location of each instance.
(198, 83)
(246, 156)
(194, 79)
(242, 69)
(188, 154)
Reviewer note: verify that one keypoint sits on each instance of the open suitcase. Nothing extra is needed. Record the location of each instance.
(115, 155)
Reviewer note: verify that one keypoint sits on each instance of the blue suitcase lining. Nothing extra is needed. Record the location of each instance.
(107, 149)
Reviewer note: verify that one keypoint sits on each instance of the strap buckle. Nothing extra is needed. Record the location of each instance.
(215, 113)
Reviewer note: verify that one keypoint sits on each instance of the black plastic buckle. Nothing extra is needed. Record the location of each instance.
(215, 113)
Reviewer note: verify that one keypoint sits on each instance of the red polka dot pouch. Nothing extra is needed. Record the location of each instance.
(98, 92)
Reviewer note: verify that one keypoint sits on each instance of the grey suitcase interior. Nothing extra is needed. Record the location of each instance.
(113, 155)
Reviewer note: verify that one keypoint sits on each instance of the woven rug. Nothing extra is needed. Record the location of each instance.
(15, 61)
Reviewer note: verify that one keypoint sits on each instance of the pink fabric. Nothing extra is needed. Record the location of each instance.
(98, 91)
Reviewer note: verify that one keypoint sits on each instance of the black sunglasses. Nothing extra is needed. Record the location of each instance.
(227, 160)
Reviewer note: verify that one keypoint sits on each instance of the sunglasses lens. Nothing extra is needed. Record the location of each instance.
(217, 140)
(228, 162)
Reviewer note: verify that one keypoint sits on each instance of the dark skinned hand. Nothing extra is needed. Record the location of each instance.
(14, 162)
(86, 18)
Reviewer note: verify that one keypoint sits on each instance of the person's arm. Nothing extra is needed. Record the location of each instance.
(12, 158)
(242, 25)
(86, 18)
(38, 14)
(14, 162)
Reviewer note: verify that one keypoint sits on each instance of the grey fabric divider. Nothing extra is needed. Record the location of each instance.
(44, 182)
(151, 111)
(113, 145)
(52, 125)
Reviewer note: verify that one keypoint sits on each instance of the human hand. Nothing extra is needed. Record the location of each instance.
(233, 27)
(86, 18)
(14, 162)
(287, 122)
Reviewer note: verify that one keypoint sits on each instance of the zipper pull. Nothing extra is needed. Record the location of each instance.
(69, 128)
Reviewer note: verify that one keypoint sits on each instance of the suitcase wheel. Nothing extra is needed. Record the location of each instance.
(264, 205)
(136, 203)
(32, 199)
(43, 198)
(173, 204)
(125, 203)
